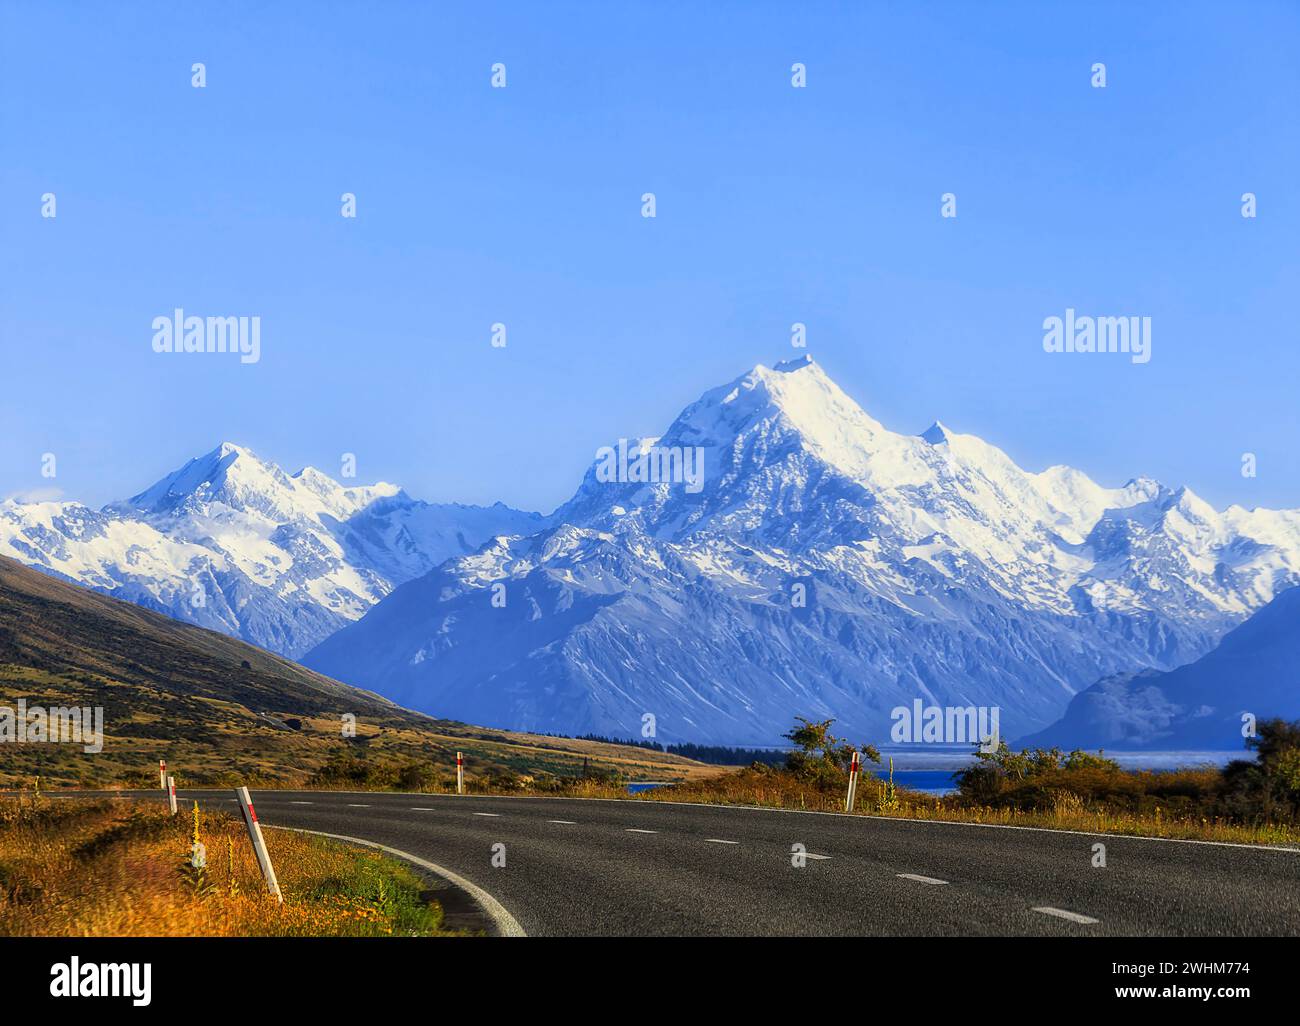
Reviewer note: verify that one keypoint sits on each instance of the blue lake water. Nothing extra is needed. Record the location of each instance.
(929, 781)
(938, 779)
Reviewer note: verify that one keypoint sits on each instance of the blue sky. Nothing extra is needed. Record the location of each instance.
(522, 205)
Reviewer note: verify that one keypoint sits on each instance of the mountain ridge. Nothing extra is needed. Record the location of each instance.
(1199, 705)
(231, 542)
(931, 567)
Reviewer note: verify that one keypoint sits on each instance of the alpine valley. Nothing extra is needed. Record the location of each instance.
(827, 567)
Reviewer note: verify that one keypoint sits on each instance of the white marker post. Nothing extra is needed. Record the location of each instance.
(460, 773)
(162, 774)
(259, 844)
(854, 764)
(171, 794)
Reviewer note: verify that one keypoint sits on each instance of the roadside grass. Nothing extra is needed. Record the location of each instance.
(1065, 812)
(122, 869)
(1141, 804)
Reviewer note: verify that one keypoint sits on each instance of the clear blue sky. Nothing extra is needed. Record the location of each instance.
(522, 205)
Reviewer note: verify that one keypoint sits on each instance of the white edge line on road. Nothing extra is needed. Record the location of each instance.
(506, 924)
(719, 840)
(847, 815)
(919, 879)
(1061, 913)
(792, 812)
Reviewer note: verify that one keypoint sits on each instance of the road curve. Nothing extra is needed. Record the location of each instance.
(589, 867)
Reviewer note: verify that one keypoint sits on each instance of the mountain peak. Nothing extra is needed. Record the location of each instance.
(936, 433)
(208, 472)
(796, 364)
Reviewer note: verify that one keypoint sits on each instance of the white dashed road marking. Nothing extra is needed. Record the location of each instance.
(719, 840)
(919, 879)
(301, 803)
(417, 808)
(813, 855)
(1060, 913)
(358, 806)
(566, 822)
(494, 815)
(634, 830)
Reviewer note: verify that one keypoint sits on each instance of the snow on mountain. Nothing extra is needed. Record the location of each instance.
(827, 567)
(233, 543)
(1253, 671)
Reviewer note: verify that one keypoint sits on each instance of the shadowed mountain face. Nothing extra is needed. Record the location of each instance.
(233, 543)
(826, 567)
(1255, 670)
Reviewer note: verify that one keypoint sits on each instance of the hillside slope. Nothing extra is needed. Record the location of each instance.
(220, 710)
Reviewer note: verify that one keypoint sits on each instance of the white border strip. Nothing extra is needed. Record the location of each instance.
(506, 924)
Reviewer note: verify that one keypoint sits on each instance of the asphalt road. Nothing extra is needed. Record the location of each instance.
(581, 867)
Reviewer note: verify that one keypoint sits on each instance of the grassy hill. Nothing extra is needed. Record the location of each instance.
(224, 712)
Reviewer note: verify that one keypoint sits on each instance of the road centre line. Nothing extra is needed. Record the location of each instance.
(1061, 913)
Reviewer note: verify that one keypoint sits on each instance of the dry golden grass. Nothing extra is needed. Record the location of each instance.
(1065, 812)
(1167, 816)
(121, 869)
(212, 742)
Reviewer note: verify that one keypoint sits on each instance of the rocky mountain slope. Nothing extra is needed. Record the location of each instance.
(826, 567)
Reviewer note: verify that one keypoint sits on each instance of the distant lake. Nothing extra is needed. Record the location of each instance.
(929, 781)
(939, 777)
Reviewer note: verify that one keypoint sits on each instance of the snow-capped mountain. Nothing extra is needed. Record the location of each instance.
(1254, 670)
(233, 543)
(826, 567)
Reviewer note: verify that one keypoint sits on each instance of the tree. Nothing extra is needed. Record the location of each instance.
(1269, 786)
(819, 755)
